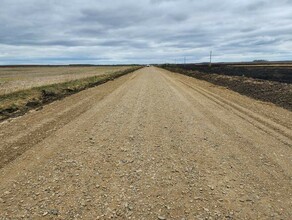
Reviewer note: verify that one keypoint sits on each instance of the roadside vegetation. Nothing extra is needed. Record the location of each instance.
(20, 102)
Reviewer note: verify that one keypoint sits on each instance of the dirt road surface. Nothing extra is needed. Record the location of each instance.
(149, 145)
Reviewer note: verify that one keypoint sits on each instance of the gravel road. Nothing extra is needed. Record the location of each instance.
(149, 145)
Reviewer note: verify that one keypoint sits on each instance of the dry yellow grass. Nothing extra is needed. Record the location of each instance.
(19, 102)
(14, 79)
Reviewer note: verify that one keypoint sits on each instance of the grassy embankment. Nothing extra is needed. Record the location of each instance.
(20, 102)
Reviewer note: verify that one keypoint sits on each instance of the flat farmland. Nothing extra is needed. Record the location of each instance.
(14, 79)
(278, 72)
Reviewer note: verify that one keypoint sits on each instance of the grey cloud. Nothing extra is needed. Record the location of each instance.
(144, 31)
(110, 18)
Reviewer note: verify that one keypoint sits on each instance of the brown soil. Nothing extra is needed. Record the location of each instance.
(149, 145)
(263, 90)
(272, 72)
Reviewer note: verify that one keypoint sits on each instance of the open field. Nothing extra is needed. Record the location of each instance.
(279, 72)
(288, 65)
(151, 144)
(13, 79)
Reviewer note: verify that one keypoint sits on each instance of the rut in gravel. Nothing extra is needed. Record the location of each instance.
(149, 145)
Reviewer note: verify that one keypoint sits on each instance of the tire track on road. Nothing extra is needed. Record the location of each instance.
(46, 122)
(280, 132)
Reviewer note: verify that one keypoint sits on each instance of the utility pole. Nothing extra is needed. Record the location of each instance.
(185, 60)
(210, 58)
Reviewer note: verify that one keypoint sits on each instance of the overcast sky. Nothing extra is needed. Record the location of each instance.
(148, 31)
